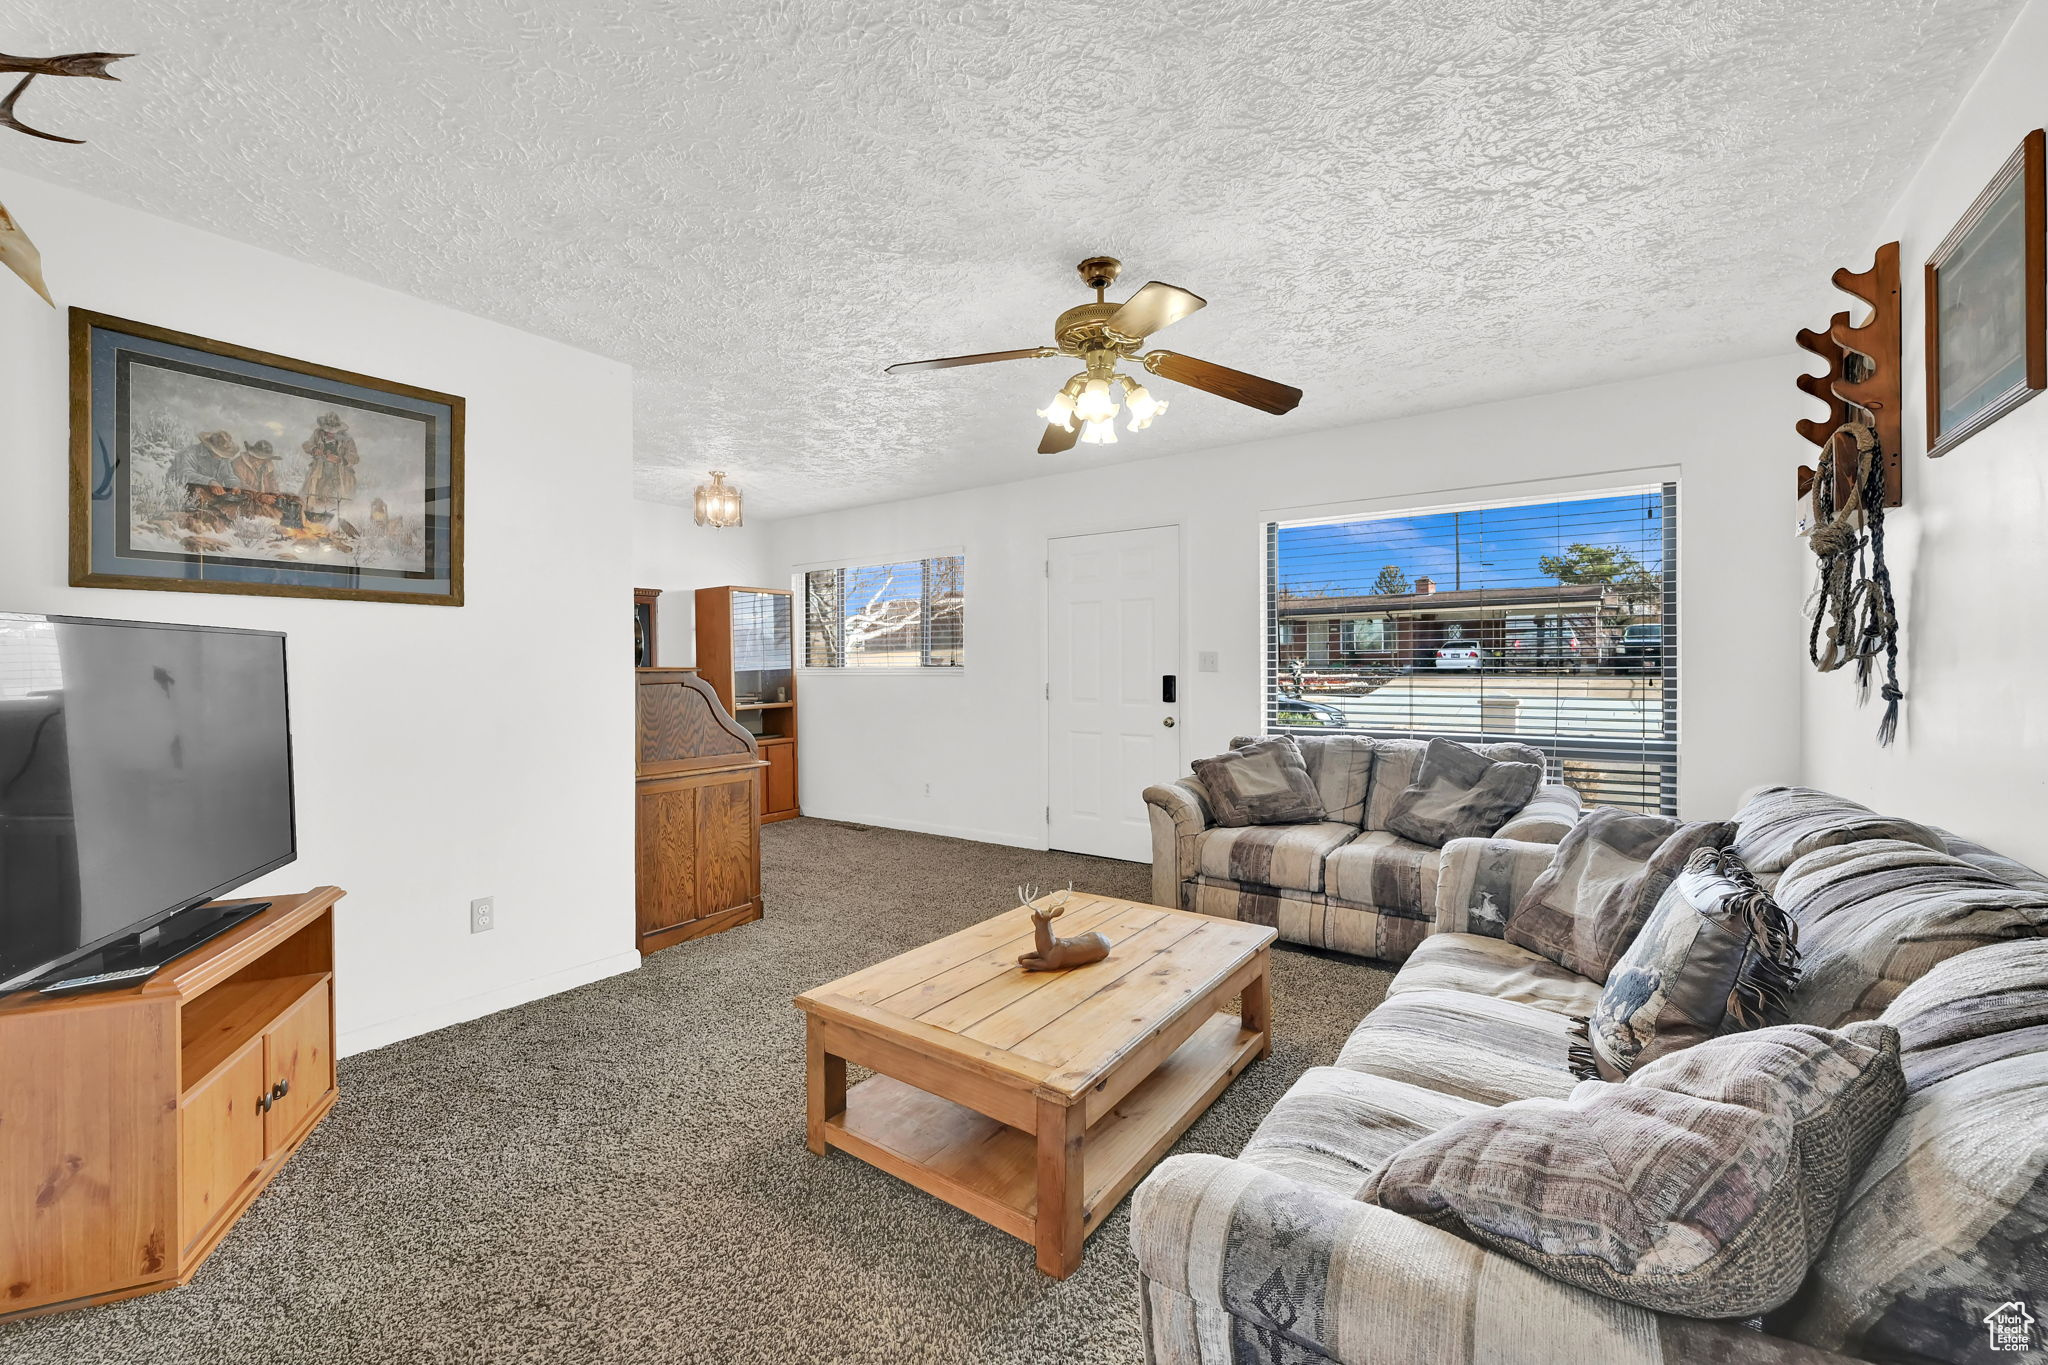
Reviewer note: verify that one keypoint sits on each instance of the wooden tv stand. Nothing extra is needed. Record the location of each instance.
(140, 1123)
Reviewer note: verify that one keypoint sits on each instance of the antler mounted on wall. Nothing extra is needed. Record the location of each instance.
(92, 64)
(17, 252)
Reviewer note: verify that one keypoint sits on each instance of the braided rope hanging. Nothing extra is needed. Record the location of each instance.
(1852, 601)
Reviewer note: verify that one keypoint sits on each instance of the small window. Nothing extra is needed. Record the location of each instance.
(1365, 637)
(909, 614)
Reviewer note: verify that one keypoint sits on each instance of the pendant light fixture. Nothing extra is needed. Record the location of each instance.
(718, 502)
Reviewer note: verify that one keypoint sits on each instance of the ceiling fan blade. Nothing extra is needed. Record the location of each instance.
(1056, 440)
(1236, 385)
(948, 362)
(1151, 308)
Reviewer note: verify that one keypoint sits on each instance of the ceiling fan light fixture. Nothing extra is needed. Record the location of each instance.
(1102, 335)
(1060, 412)
(718, 502)
(1096, 403)
(1141, 405)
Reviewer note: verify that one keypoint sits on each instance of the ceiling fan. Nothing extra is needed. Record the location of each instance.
(1100, 334)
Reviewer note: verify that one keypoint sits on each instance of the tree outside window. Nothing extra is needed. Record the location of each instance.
(909, 614)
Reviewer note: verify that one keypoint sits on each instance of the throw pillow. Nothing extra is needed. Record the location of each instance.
(1460, 793)
(1604, 880)
(1396, 762)
(1341, 768)
(1705, 1185)
(1264, 783)
(1717, 956)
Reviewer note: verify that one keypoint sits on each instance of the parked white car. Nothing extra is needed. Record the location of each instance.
(1461, 654)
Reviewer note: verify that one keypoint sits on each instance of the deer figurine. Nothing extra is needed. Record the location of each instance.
(1049, 954)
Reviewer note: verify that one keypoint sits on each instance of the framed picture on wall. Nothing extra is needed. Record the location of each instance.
(198, 466)
(1987, 304)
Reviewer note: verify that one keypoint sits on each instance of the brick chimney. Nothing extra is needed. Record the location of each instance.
(1424, 586)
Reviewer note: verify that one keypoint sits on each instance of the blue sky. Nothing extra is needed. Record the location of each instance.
(1494, 547)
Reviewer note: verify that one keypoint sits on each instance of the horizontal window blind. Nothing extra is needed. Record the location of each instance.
(1553, 624)
(908, 614)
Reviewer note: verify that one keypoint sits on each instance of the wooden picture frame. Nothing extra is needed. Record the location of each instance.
(178, 486)
(1989, 344)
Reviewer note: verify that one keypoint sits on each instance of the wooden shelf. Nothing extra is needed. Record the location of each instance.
(990, 1168)
(228, 1018)
(758, 626)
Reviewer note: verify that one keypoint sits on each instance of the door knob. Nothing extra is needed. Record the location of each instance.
(1168, 722)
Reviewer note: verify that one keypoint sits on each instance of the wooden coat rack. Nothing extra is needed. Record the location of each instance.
(1863, 373)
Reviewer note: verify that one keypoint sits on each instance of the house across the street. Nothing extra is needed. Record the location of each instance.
(1546, 626)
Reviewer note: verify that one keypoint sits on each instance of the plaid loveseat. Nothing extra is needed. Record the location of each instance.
(1270, 1257)
(1345, 882)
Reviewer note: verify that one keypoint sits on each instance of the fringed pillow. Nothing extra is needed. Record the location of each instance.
(1717, 956)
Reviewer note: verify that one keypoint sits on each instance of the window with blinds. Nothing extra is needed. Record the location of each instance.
(1552, 623)
(909, 614)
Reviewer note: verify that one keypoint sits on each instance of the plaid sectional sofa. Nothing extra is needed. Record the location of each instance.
(1345, 882)
(1271, 1257)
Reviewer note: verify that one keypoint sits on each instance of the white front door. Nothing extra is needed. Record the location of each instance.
(1113, 621)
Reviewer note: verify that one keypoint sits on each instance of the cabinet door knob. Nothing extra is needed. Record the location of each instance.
(280, 1090)
(265, 1100)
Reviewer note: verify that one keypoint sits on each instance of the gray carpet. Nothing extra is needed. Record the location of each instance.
(619, 1174)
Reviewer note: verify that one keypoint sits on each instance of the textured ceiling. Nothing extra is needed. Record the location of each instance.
(1396, 206)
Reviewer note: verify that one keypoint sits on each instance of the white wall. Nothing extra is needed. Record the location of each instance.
(673, 553)
(873, 742)
(1969, 549)
(443, 753)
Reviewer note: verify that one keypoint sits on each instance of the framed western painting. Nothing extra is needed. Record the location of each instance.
(197, 466)
(1987, 304)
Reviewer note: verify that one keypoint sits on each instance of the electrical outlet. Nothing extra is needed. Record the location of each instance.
(483, 914)
(1205, 662)
(927, 789)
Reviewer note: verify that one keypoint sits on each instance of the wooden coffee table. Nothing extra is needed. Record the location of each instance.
(1036, 1100)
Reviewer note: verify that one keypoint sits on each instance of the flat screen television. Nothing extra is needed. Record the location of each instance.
(144, 770)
